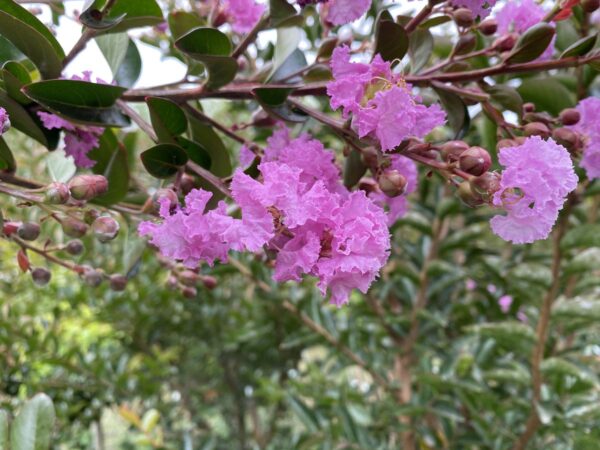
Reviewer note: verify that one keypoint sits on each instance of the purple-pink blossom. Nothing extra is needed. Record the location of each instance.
(504, 302)
(533, 187)
(4, 121)
(480, 8)
(340, 12)
(243, 14)
(381, 103)
(470, 284)
(589, 127)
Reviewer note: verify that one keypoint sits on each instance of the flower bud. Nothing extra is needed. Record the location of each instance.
(172, 283)
(537, 129)
(475, 161)
(485, 185)
(392, 183)
(209, 282)
(90, 215)
(569, 139)
(505, 143)
(9, 228)
(92, 277)
(505, 43)
(74, 247)
(57, 193)
(189, 278)
(105, 228)
(29, 231)
(463, 17)
(528, 107)
(87, 187)
(118, 282)
(488, 27)
(4, 121)
(41, 276)
(189, 292)
(73, 228)
(589, 6)
(569, 116)
(187, 183)
(166, 194)
(467, 196)
(465, 44)
(368, 185)
(452, 150)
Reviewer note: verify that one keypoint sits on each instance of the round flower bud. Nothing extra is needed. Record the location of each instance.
(504, 143)
(41, 276)
(465, 44)
(57, 193)
(9, 228)
(569, 116)
(189, 292)
(485, 185)
(368, 185)
(209, 282)
(452, 150)
(463, 17)
(92, 277)
(468, 196)
(569, 139)
(73, 228)
(528, 107)
(118, 282)
(505, 43)
(187, 183)
(537, 129)
(29, 231)
(105, 228)
(169, 195)
(74, 247)
(87, 187)
(392, 183)
(475, 161)
(189, 278)
(488, 27)
(589, 6)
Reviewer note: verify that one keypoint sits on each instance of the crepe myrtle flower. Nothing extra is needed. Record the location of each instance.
(382, 104)
(340, 12)
(243, 14)
(4, 121)
(589, 127)
(538, 176)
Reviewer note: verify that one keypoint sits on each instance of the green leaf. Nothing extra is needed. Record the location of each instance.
(505, 96)
(112, 162)
(8, 52)
(32, 428)
(180, 22)
(511, 335)
(131, 67)
(212, 48)
(435, 21)
(31, 37)
(547, 94)
(282, 13)
(272, 96)
(458, 114)
(286, 72)
(80, 101)
(164, 160)
(3, 429)
(575, 313)
(586, 235)
(93, 18)
(288, 40)
(354, 169)
(7, 160)
(150, 420)
(581, 47)
(114, 48)
(15, 76)
(420, 48)
(532, 43)
(204, 135)
(131, 14)
(195, 152)
(304, 413)
(391, 39)
(60, 166)
(168, 119)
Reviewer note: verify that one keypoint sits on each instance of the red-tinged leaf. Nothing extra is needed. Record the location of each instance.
(23, 260)
(566, 10)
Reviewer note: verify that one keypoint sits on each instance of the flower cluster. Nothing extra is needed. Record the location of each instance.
(4, 121)
(381, 103)
(538, 176)
(79, 139)
(298, 209)
(243, 14)
(589, 127)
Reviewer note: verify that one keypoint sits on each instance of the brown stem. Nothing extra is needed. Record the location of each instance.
(19, 194)
(210, 177)
(415, 21)
(250, 37)
(71, 266)
(140, 122)
(219, 126)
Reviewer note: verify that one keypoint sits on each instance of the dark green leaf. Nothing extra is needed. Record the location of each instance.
(272, 96)
(354, 169)
(195, 152)
(281, 12)
(180, 22)
(168, 119)
(457, 112)
(547, 94)
(581, 47)
(131, 14)
(435, 21)
(113, 47)
(32, 429)
(15, 76)
(288, 71)
(112, 162)
(532, 43)
(7, 160)
(506, 96)
(586, 235)
(131, 67)
(93, 18)
(204, 135)
(164, 160)
(391, 40)
(420, 49)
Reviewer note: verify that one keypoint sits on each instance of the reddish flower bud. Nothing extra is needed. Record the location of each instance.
(528, 107)
(105, 228)
(118, 282)
(463, 17)
(189, 278)
(465, 44)
(452, 150)
(29, 231)
(87, 187)
(167, 194)
(488, 27)
(41, 276)
(485, 185)
(392, 183)
(74, 247)
(504, 143)
(589, 6)
(9, 228)
(505, 43)
(368, 185)
(468, 196)
(569, 116)
(73, 228)
(209, 282)
(569, 139)
(57, 193)
(92, 277)
(537, 129)
(187, 183)
(475, 161)
(189, 292)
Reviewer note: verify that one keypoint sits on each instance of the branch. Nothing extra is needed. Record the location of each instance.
(423, 14)
(250, 37)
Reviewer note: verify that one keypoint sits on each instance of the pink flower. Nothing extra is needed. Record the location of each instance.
(246, 156)
(244, 14)
(398, 206)
(504, 302)
(381, 103)
(470, 284)
(480, 8)
(522, 316)
(520, 15)
(4, 121)
(491, 288)
(340, 12)
(589, 127)
(538, 176)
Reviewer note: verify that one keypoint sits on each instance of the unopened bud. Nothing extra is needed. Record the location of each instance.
(485, 185)
(74, 247)
(505, 143)
(172, 283)
(186, 183)
(57, 193)
(528, 107)
(468, 196)
(9, 228)
(90, 215)
(105, 228)
(463, 17)
(488, 27)
(166, 194)
(209, 282)
(189, 278)
(189, 292)
(505, 43)
(537, 129)
(589, 6)
(73, 228)
(368, 185)
(569, 139)
(220, 19)
(370, 157)
(118, 282)
(29, 231)
(465, 44)
(92, 277)
(392, 183)
(41, 276)
(475, 161)
(452, 150)
(87, 187)
(569, 116)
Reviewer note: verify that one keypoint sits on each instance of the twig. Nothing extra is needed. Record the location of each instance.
(250, 37)
(423, 14)
(140, 122)
(210, 177)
